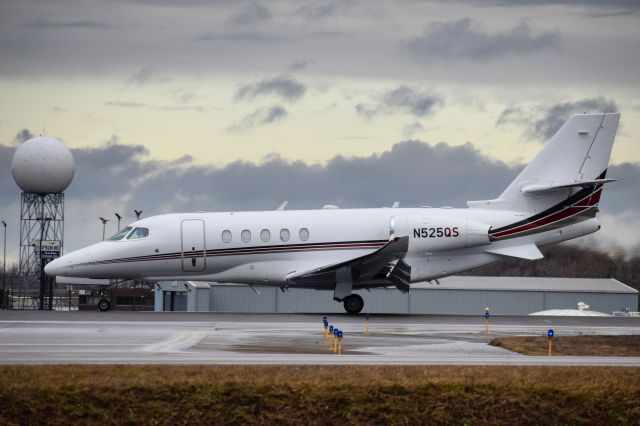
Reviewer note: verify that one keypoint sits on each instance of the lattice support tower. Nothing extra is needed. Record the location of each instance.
(41, 219)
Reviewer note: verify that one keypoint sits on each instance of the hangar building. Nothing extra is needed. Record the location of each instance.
(457, 295)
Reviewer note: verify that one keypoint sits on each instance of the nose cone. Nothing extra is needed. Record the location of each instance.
(55, 268)
(79, 264)
(69, 265)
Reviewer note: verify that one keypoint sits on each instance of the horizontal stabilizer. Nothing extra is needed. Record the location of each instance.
(534, 189)
(527, 251)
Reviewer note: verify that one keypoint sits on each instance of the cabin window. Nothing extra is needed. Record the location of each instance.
(284, 235)
(265, 235)
(245, 236)
(304, 234)
(121, 234)
(138, 234)
(226, 236)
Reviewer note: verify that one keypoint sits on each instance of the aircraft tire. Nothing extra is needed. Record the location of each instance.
(353, 304)
(104, 305)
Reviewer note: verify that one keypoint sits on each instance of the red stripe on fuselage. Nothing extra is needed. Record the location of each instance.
(243, 251)
(567, 212)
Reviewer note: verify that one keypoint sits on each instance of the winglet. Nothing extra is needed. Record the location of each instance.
(527, 251)
(282, 206)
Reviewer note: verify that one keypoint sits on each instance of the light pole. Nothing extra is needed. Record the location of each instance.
(4, 266)
(104, 225)
(119, 218)
(138, 213)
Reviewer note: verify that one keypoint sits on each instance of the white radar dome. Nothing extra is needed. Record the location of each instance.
(43, 165)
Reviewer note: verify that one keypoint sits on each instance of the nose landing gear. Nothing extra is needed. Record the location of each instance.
(104, 305)
(353, 304)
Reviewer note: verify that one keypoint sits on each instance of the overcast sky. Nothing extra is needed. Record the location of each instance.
(178, 105)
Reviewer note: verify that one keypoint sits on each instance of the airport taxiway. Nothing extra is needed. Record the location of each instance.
(34, 337)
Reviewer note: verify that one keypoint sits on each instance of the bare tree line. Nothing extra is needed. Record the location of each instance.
(569, 261)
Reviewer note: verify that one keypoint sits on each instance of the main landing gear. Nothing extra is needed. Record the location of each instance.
(353, 304)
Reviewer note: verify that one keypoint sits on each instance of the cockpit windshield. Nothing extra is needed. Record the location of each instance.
(121, 234)
(138, 233)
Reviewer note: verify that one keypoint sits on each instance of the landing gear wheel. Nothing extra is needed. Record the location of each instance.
(353, 304)
(104, 305)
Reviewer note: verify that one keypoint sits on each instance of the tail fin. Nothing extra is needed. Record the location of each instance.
(575, 159)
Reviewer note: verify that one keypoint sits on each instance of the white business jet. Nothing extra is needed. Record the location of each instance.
(555, 198)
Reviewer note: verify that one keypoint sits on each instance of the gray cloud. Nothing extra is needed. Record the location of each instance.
(251, 14)
(543, 122)
(405, 98)
(180, 3)
(402, 99)
(259, 117)
(591, 8)
(461, 40)
(22, 136)
(465, 174)
(283, 86)
(596, 3)
(299, 65)
(125, 172)
(410, 129)
(271, 38)
(347, 182)
(119, 177)
(511, 114)
(348, 44)
(117, 170)
(596, 8)
(8, 189)
(105, 171)
(365, 111)
(83, 24)
(614, 13)
(125, 104)
(621, 196)
(463, 171)
(244, 37)
(555, 116)
(318, 11)
(194, 108)
(275, 113)
(144, 75)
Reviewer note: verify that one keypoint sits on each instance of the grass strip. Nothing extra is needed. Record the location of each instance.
(572, 345)
(248, 395)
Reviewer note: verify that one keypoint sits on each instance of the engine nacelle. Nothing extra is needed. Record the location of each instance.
(439, 233)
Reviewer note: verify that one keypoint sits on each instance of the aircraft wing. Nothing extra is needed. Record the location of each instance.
(384, 263)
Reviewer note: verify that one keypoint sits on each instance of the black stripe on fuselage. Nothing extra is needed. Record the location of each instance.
(283, 248)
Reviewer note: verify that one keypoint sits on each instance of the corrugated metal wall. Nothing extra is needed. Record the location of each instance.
(198, 300)
(419, 301)
(242, 299)
(601, 302)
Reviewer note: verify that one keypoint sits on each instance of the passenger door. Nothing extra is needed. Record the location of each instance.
(193, 245)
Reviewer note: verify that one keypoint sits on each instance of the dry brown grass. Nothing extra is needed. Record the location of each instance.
(318, 395)
(572, 345)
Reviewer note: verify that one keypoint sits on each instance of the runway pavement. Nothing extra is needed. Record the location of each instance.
(33, 337)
